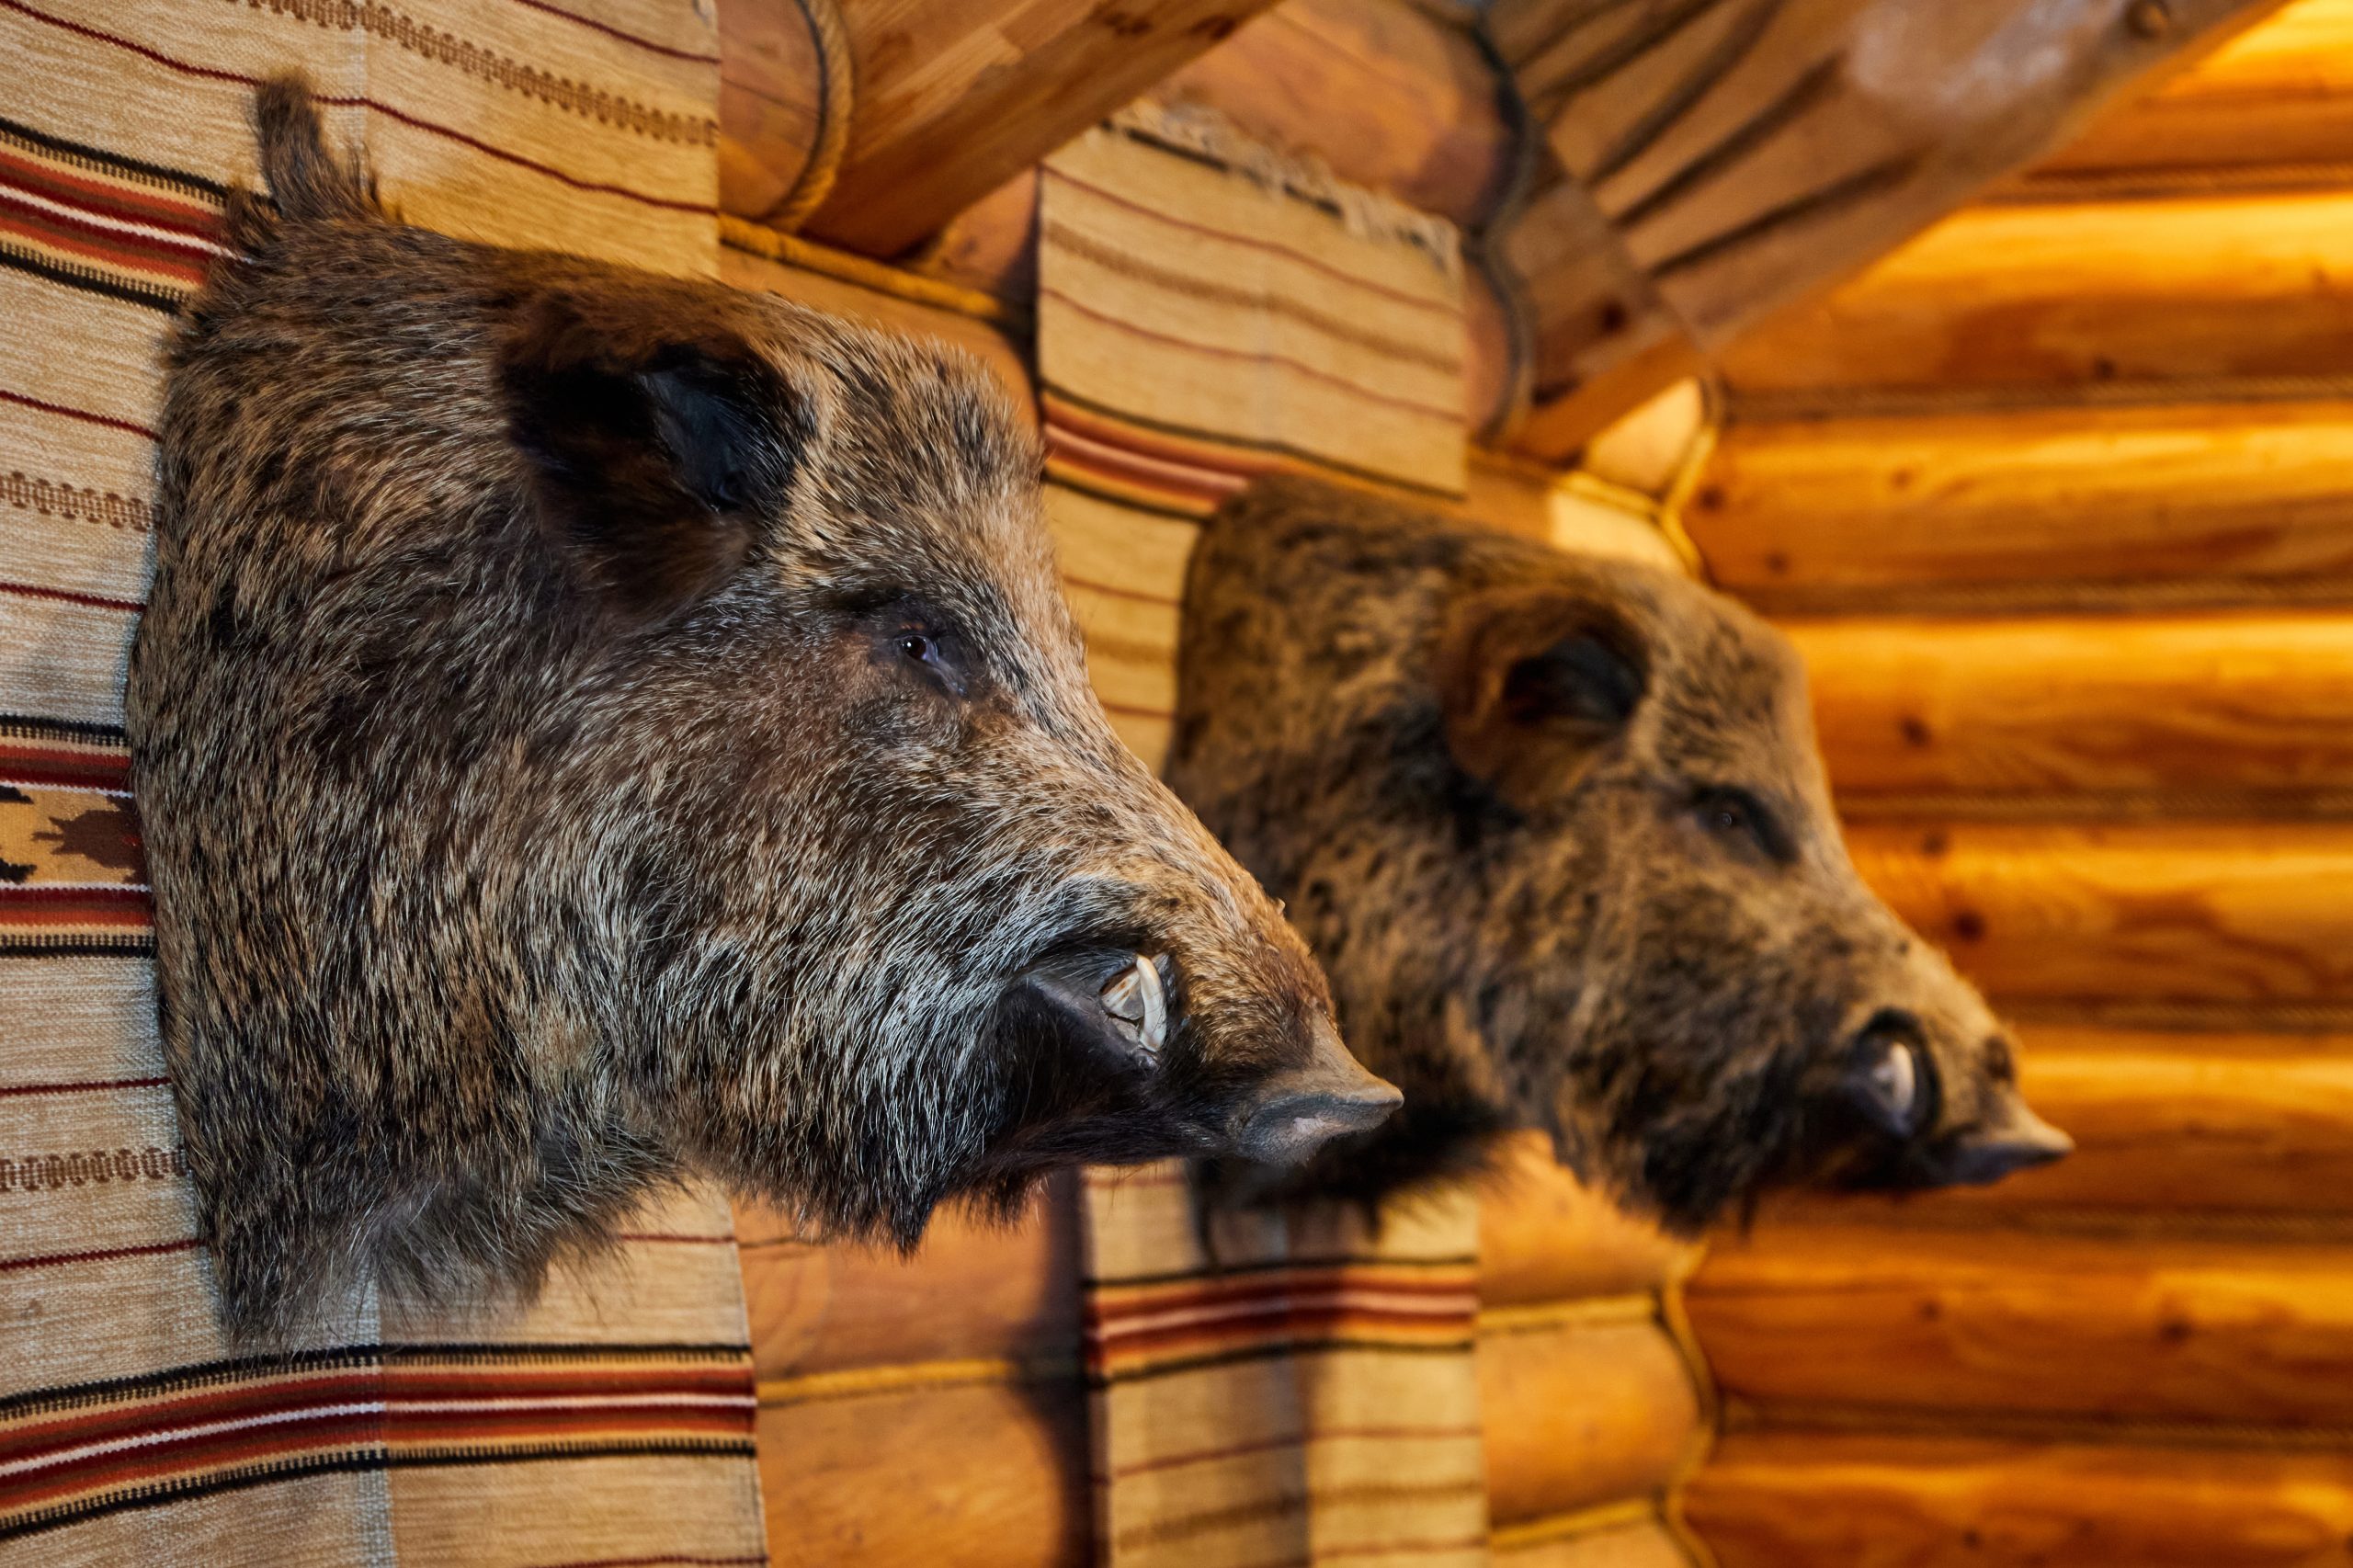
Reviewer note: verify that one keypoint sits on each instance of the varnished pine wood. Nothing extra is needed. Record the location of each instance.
(2272, 102)
(1386, 95)
(2245, 914)
(2212, 503)
(2080, 293)
(975, 1290)
(1750, 153)
(1813, 1500)
(953, 98)
(2245, 711)
(1641, 1544)
(979, 1475)
(1580, 1413)
(1544, 1236)
(1966, 1322)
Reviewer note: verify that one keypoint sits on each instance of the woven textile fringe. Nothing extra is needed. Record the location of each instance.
(1369, 214)
(1301, 1389)
(610, 1420)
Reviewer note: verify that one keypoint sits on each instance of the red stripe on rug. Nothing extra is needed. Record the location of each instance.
(140, 204)
(96, 1086)
(82, 414)
(65, 595)
(103, 1255)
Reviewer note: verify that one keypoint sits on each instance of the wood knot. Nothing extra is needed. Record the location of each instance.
(2149, 19)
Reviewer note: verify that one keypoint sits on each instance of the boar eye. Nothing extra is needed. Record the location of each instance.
(1739, 818)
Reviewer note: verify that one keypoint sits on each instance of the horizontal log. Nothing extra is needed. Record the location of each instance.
(1853, 1318)
(1808, 1500)
(2207, 1128)
(1748, 155)
(975, 1290)
(2077, 293)
(2275, 99)
(2242, 913)
(2252, 711)
(1385, 94)
(1642, 1543)
(951, 98)
(2203, 502)
(981, 1476)
(1582, 1412)
(1545, 1236)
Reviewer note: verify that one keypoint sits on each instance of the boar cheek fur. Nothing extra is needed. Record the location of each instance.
(510, 861)
(1551, 939)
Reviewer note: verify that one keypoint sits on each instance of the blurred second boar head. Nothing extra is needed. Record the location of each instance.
(1558, 830)
(594, 728)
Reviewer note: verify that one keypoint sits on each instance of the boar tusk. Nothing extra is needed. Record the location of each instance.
(1136, 999)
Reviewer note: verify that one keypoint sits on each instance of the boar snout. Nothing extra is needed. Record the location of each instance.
(1299, 1110)
(1949, 1110)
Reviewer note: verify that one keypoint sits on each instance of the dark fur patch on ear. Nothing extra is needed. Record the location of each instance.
(1531, 684)
(654, 461)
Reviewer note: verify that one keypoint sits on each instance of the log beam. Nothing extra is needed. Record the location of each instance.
(2245, 714)
(1544, 1236)
(2231, 916)
(1769, 1500)
(951, 98)
(1582, 1412)
(948, 1475)
(1745, 155)
(1853, 1319)
(2201, 502)
(2066, 294)
(2272, 107)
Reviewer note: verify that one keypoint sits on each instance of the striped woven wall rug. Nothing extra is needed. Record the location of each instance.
(1289, 1389)
(610, 1422)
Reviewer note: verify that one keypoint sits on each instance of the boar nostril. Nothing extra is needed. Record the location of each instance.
(1136, 998)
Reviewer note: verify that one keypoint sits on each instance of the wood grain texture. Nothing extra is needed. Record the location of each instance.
(1750, 153)
(2254, 711)
(1385, 94)
(2207, 502)
(2079, 293)
(1644, 1544)
(1968, 1322)
(984, 1475)
(771, 96)
(1580, 1413)
(2237, 913)
(956, 96)
(974, 1289)
(2202, 1129)
(2276, 100)
(1813, 1500)
(1544, 1236)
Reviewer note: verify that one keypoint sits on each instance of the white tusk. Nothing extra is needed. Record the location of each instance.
(1136, 998)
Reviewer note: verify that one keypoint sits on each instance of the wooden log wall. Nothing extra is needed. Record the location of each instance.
(2054, 499)
(931, 1412)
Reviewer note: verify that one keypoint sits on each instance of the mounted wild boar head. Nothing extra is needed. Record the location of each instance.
(1559, 833)
(594, 728)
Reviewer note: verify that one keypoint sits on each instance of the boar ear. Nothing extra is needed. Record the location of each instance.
(1531, 684)
(654, 453)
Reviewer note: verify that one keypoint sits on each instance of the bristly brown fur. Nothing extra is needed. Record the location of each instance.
(1559, 833)
(593, 727)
